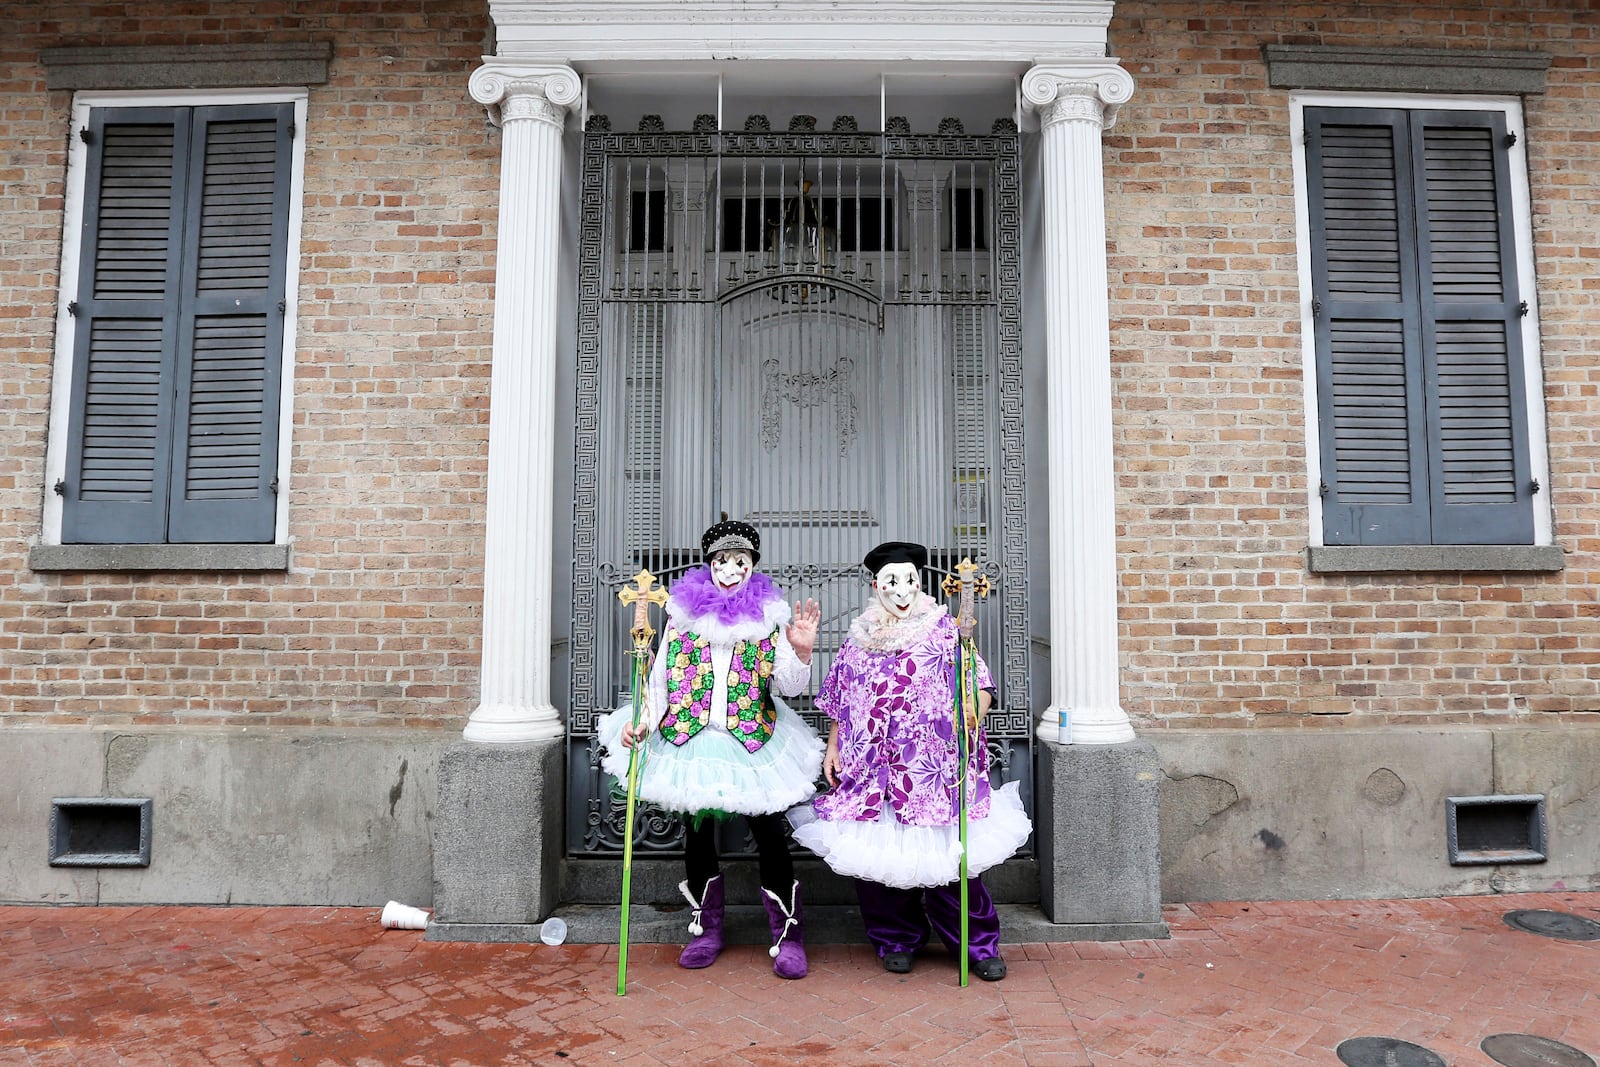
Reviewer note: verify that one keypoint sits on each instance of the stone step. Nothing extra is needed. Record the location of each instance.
(585, 880)
(746, 924)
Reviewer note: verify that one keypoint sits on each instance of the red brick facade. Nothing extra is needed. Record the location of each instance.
(377, 621)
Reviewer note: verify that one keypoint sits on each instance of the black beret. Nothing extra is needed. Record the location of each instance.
(896, 552)
(731, 535)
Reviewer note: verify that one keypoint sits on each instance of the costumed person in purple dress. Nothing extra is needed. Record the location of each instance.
(891, 820)
(718, 739)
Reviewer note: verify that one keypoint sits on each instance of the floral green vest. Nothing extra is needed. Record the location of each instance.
(691, 678)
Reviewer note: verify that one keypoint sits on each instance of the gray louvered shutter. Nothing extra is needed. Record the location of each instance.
(1479, 468)
(230, 335)
(178, 356)
(120, 436)
(1370, 388)
(1424, 435)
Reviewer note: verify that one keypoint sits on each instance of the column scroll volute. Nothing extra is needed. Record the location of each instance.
(512, 91)
(1087, 91)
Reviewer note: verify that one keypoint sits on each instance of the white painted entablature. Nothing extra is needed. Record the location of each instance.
(593, 35)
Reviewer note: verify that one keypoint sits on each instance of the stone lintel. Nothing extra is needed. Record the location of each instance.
(214, 66)
(1417, 70)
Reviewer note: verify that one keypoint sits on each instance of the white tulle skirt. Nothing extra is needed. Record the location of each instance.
(914, 857)
(712, 772)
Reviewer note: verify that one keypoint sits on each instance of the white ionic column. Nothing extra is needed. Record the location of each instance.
(1076, 102)
(514, 704)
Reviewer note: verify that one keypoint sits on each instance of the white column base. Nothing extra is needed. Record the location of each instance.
(509, 724)
(1085, 726)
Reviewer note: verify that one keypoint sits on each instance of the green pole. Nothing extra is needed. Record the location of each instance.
(627, 836)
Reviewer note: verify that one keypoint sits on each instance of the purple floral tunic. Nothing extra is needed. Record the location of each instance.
(897, 743)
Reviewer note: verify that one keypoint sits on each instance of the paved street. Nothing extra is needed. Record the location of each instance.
(1255, 984)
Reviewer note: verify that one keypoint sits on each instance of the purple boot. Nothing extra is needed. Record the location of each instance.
(705, 924)
(788, 949)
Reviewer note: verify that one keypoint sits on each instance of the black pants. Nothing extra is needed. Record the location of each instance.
(772, 848)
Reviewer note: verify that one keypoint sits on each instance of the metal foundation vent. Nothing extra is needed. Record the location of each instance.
(1496, 829)
(100, 832)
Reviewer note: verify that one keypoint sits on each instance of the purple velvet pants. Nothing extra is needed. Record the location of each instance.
(898, 920)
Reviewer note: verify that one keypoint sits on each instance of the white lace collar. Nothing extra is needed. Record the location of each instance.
(879, 631)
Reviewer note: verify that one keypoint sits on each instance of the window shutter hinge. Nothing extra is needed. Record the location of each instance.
(291, 131)
(60, 487)
(72, 309)
(1316, 309)
(1522, 309)
(283, 306)
(1511, 139)
(85, 136)
(274, 487)
(1534, 485)
(1322, 488)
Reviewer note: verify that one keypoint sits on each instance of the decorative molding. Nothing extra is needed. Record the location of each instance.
(214, 66)
(513, 91)
(583, 32)
(804, 390)
(1415, 70)
(1085, 92)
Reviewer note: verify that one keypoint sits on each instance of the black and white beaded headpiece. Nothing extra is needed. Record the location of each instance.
(731, 535)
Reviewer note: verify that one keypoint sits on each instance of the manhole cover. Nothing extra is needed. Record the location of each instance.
(1386, 1052)
(1526, 1050)
(1554, 924)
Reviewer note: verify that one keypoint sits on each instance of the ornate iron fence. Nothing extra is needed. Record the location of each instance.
(819, 334)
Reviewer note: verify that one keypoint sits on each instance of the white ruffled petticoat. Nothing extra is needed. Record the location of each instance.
(914, 857)
(713, 772)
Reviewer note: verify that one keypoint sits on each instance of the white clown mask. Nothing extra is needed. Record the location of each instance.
(730, 569)
(898, 587)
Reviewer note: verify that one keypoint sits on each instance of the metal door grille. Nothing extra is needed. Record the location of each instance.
(820, 334)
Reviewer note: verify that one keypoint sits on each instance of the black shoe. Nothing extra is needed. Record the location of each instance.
(990, 970)
(897, 962)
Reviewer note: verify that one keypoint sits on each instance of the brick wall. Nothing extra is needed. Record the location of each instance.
(1222, 624)
(377, 622)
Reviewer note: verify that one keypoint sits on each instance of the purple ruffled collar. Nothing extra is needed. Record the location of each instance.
(698, 596)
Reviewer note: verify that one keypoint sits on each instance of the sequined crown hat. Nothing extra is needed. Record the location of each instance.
(731, 535)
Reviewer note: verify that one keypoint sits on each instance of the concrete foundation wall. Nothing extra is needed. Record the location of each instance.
(1300, 814)
(239, 817)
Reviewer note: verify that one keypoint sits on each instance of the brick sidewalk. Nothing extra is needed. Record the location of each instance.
(1253, 984)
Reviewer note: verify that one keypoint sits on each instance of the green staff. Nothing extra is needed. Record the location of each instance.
(641, 596)
(963, 584)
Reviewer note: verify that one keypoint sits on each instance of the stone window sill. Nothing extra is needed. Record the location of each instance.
(159, 557)
(1417, 559)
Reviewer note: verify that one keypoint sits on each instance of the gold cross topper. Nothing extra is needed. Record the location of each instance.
(965, 582)
(641, 594)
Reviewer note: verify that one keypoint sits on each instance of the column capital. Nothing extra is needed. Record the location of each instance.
(540, 91)
(1088, 89)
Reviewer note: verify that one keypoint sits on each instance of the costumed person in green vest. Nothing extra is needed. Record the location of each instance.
(718, 739)
(890, 820)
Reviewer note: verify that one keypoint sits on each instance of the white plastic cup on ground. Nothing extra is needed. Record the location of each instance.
(398, 916)
(553, 931)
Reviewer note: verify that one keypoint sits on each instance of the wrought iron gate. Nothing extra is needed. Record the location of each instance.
(819, 334)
